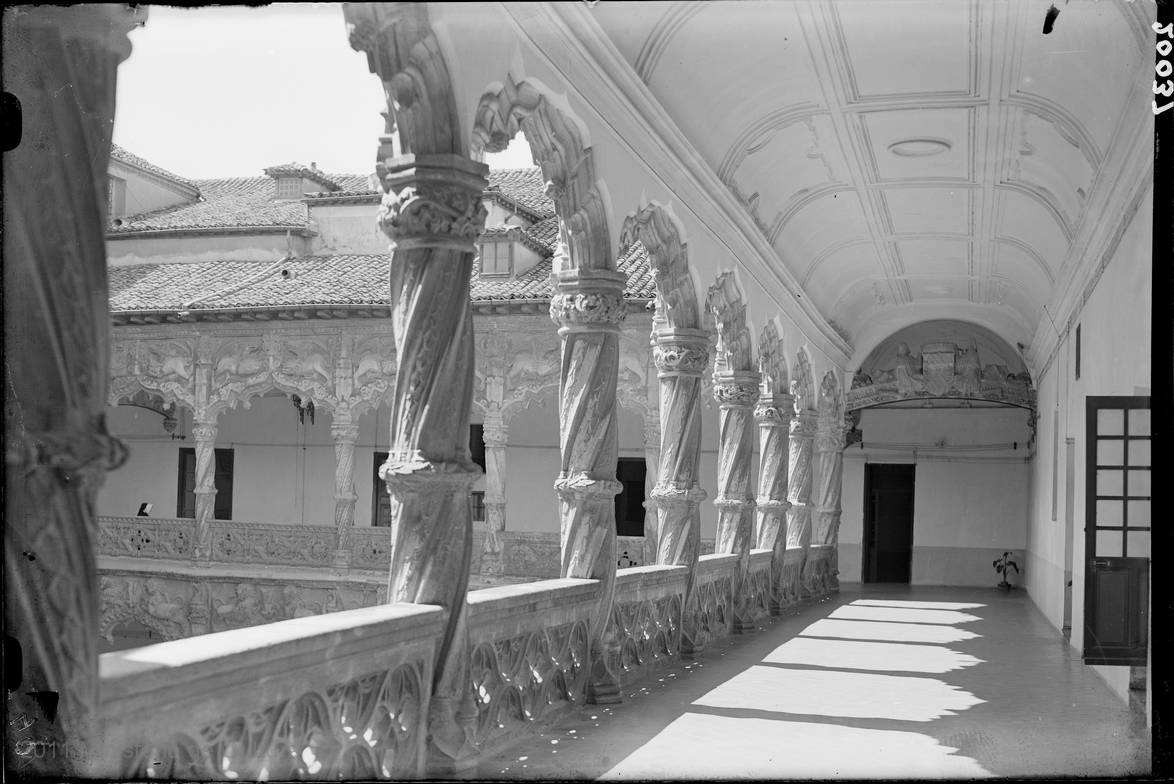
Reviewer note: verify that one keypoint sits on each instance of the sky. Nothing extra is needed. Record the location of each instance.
(226, 91)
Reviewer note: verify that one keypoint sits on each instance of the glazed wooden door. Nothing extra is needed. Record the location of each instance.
(1117, 530)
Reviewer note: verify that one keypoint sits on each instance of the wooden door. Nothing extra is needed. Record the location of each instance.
(1117, 530)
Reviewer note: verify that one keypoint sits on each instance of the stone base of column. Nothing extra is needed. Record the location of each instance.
(341, 560)
(603, 688)
(817, 570)
(451, 747)
(789, 594)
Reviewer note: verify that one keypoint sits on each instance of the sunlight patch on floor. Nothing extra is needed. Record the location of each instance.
(918, 605)
(877, 656)
(902, 615)
(769, 749)
(879, 630)
(839, 694)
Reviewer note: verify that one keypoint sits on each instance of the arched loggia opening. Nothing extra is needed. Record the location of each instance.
(936, 479)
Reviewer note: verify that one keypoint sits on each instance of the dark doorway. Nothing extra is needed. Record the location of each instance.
(186, 502)
(630, 471)
(888, 522)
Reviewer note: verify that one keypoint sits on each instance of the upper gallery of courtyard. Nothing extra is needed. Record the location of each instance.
(296, 237)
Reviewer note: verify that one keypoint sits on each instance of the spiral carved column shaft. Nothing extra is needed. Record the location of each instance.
(204, 434)
(61, 64)
(589, 308)
(773, 416)
(799, 483)
(345, 433)
(495, 500)
(432, 212)
(680, 356)
(736, 393)
(819, 566)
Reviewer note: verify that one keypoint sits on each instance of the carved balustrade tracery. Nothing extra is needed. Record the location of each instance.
(710, 616)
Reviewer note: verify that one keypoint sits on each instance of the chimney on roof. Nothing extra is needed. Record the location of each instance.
(313, 166)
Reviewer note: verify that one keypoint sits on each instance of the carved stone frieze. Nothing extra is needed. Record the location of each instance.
(941, 369)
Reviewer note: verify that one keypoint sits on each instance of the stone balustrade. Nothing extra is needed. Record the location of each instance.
(710, 613)
(645, 627)
(337, 696)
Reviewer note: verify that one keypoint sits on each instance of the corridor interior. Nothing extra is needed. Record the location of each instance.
(880, 681)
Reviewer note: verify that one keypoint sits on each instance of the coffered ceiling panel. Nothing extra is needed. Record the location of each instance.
(1083, 69)
(825, 222)
(919, 144)
(844, 270)
(929, 210)
(926, 257)
(1049, 160)
(736, 62)
(790, 162)
(878, 48)
(938, 288)
(1025, 219)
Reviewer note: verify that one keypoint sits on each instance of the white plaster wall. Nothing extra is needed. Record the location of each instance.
(1115, 346)
(970, 495)
(347, 228)
(144, 194)
(151, 470)
(201, 247)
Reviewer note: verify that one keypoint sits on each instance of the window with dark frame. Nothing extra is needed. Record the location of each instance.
(630, 472)
(186, 501)
(496, 258)
(289, 188)
(477, 502)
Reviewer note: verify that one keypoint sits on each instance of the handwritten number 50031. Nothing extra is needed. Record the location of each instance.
(1163, 68)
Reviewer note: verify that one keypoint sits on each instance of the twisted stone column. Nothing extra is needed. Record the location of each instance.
(799, 495)
(589, 308)
(61, 64)
(736, 393)
(680, 356)
(651, 471)
(495, 446)
(817, 568)
(433, 214)
(204, 434)
(773, 415)
(345, 433)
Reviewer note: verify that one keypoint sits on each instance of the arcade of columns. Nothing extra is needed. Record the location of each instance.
(433, 214)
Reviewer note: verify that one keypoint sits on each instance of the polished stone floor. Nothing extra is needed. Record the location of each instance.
(878, 682)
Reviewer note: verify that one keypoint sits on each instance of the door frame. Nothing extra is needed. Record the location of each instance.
(868, 548)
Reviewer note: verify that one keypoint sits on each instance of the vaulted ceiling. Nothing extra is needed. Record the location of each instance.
(912, 158)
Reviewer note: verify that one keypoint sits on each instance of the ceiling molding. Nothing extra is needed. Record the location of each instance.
(1045, 198)
(1069, 128)
(662, 35)
(824, 254)
(795, 205)
(769, 124)
(1040, 261)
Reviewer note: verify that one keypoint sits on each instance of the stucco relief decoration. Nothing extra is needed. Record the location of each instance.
(306, 366)
(533, 368)
(942, 369)
(633, 376)
(374, 371)
(145, 538)
(361, 729)
(163, 366)
(518, 680)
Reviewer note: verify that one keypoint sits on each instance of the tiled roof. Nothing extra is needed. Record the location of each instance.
(126, 156)
(238, 202)
(314, 281)
(525, 187)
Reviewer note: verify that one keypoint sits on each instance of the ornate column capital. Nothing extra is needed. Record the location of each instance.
(829, 440)
(434, 201)
(204, 431)
(679, 351)
(774, 410)
(344, 432)
(494, 431)
(804, 424)
(589, 300)
(736, 388)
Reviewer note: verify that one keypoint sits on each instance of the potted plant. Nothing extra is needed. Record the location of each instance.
(1002, 565)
